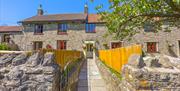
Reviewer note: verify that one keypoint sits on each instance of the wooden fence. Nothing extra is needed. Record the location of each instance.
(63, 57)
(116, 58)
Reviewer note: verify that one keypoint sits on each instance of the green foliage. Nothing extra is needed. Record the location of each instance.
(125, 17)
(4, 47)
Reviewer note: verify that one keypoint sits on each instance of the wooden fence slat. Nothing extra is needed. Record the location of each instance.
(64, 56)
(116, 58)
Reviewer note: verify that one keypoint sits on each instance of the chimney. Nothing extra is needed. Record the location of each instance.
(86, 9)
(40, 10)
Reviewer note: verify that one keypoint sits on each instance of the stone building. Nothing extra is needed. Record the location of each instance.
(161, 42)
(84, 32)
(11, 35)
(81, 31)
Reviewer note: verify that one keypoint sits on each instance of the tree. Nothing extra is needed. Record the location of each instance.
(125, 17)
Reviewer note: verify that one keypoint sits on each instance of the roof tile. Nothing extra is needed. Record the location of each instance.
(10, 28)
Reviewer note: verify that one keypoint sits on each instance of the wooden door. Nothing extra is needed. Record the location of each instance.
(89, 50)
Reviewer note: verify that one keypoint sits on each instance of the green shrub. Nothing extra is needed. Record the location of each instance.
(4, 47)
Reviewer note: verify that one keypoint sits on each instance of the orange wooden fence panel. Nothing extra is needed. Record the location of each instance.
(116, 58)
(64, 56)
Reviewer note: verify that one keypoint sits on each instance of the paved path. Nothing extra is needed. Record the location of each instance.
(90, 78)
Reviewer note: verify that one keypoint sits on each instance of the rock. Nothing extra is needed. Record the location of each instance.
(6, 59)
(1, 76)
(155, 63)
(13, 83)
(34, 60)
(160, 73)
(165, 62)
(136, 61)
(20, 59)
(50, 70)
(33, 70)
(24, 88)
(2, 88)
(48, 59)
(152, 62)
(15, 74)
(4, 70)
(42, 88)
(26, 74)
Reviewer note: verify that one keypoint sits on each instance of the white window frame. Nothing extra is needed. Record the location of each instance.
(157, 46)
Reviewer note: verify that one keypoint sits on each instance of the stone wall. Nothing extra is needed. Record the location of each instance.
(112, 82)
(167, 41)
(24, 72)
(159, 73)
(75, 36)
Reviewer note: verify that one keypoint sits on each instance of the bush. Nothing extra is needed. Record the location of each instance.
(4, 47)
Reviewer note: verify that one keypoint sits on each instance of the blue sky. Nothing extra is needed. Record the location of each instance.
(12, 11)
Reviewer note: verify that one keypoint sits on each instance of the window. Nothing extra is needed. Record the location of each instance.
(38, 45)
(6, 38)
(149, 27)
(90, 28)
(61, 44)
(62, 28)
(38, 29)
(116, 45)
(179, 46)
(152, 47)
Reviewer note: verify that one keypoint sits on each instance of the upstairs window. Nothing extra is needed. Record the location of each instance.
(61, 44)
(152, 47)
(37, 45)
(62, 28)
(90, 28)
(149, 27)
(38, 29)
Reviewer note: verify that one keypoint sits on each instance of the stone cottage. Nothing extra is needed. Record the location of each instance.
(81, 31)
(84, 32)
(161, 42)
(11, 35)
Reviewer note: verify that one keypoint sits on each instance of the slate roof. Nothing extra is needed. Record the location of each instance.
(10, 28)
(92, 18)
(56, 17)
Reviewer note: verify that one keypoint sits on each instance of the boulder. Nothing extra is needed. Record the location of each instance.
(35, 70)
(29, 73)
(34, 60)
(6, 59)
(48, 59)
(160, 73)
(165, 62)
(20, 59)
(152, 62)
(136, 61)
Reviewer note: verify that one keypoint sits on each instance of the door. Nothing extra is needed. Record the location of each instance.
(38, 45)
(61, 44)
(179, 47)
(89, 50)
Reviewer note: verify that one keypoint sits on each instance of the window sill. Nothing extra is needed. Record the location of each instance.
(62, 33)
(38, 34)
(153, 52)
(90, 32)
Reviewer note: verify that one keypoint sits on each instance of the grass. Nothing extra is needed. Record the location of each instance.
(117, 74)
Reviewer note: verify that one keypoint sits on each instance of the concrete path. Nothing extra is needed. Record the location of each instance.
(90, 78)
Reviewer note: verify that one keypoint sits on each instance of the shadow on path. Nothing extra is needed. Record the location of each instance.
(83, 78)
